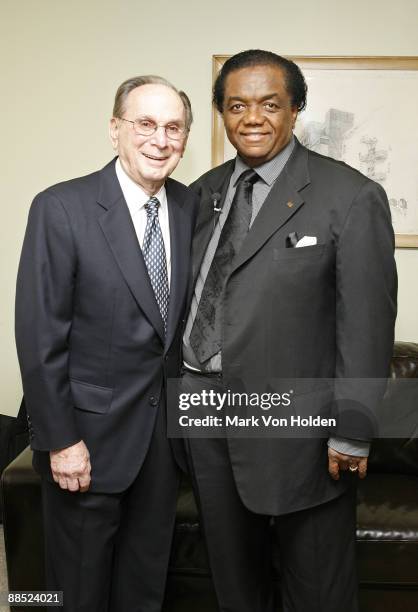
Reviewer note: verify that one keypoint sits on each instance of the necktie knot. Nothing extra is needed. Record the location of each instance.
(152, 207)
(249, 177)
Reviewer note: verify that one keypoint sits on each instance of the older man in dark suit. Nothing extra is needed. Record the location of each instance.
(100, 294)
(294, 279)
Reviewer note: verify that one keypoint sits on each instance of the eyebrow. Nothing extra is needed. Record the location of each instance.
(169, 122)
(267, 97)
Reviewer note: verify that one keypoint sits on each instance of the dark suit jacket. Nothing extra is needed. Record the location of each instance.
(89, 334)
(317, 312)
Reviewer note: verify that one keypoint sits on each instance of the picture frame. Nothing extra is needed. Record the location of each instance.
(358, 111)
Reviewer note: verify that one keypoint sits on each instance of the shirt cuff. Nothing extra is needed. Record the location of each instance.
(346, 446)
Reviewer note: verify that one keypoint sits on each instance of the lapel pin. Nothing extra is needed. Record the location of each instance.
(290, 204)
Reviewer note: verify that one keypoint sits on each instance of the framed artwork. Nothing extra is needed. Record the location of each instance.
(360, 111)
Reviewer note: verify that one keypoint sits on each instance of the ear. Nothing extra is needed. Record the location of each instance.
(294, 115)
(114, 133)
(184, 144)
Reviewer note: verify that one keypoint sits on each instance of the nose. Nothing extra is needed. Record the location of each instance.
(254, 115)
(159, 138)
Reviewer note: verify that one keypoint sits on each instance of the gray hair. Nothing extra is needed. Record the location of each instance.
(149, 79)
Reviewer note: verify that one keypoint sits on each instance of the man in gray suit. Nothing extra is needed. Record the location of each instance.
(101, 292)
(294, 278)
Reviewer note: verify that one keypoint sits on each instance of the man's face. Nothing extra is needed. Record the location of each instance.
(257, 112)
(149, 160)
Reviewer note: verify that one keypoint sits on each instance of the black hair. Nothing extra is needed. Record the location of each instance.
(295, 82)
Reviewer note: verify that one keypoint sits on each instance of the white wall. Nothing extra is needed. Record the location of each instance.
(62, 61)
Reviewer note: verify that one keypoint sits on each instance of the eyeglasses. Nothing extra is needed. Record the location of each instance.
(147, 127)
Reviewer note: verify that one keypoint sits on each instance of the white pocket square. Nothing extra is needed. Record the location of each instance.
(306, 241)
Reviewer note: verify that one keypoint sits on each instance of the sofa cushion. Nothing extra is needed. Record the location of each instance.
(387, 529)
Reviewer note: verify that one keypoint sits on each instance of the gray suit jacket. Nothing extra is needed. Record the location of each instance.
(319, 312)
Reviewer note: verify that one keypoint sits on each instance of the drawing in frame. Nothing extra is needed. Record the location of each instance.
(360, 110)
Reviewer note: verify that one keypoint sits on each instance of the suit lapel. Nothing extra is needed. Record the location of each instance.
(283, 201)
(180, 257)
(206, 218)
(119, 231)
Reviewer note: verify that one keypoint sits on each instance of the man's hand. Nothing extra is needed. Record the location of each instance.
(71, 467)
(338, 461)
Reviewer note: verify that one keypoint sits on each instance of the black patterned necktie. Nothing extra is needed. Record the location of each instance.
(205, 336)
(155, 260)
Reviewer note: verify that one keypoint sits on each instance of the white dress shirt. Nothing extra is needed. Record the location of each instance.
(136, 198)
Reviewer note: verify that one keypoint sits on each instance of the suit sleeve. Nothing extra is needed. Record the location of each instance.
(44, 308)
(366, 286)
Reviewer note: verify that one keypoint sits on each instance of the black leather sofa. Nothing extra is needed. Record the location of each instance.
(387, 523)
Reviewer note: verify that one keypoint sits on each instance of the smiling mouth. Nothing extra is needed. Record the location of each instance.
(154, 158)
(254, 135)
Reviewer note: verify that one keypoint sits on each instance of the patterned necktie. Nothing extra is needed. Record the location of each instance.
(205, 336)
(155, 260)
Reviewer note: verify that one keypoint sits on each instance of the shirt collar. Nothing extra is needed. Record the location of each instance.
(270, 170)
(135, 196)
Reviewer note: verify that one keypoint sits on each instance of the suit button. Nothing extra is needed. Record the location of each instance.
(153, 400)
